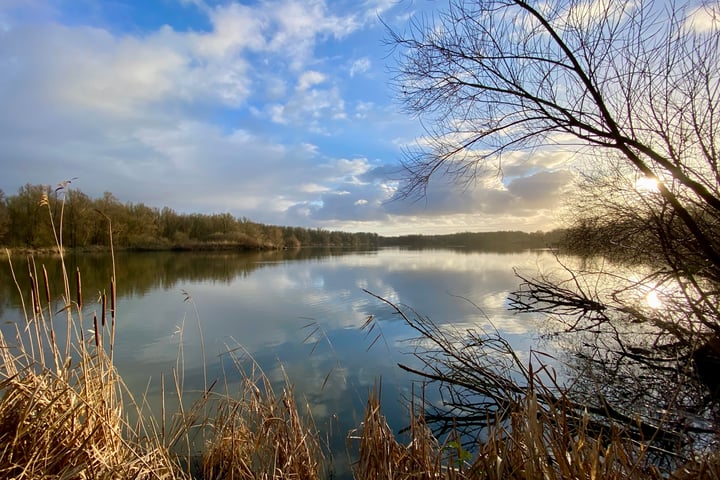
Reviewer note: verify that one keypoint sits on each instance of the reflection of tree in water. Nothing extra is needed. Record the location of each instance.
(139, 273)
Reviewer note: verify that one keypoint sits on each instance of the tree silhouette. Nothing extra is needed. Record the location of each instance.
(632, 90)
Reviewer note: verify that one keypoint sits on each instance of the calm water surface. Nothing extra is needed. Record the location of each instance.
(264, 302)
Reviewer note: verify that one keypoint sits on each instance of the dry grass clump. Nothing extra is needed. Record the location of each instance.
(381, 456)
(61, 407)
(535, 444)
(545, 443)
(69, 424)
(707, 468)
(258, 434)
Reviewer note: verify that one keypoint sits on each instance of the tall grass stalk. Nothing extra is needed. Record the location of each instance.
(256, 433)
(65, 419)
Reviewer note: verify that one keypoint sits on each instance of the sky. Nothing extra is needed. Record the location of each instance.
(280, 111)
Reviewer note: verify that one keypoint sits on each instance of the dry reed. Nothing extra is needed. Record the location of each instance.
(382, 456)
(61, 407)
(258, 434)
(536, 443)
(541, 442)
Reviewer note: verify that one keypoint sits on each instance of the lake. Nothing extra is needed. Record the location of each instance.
(294, 312)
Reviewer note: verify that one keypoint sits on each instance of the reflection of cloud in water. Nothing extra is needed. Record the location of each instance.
(324, 386)
(494, 301)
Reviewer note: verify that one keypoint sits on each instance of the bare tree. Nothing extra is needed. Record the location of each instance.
(633, 85)
(633, 89)
(636, 79)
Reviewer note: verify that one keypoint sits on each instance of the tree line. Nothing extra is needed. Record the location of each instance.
(503, 241)
(27, 219)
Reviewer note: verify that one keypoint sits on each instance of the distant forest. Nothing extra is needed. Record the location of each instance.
(25, 223)
(505, 241)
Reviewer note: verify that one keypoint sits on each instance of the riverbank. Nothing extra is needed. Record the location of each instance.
(184, 247)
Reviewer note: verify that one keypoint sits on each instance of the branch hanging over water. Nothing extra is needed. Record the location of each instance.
(482, 381)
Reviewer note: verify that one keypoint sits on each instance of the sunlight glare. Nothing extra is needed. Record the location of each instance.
(646, 184)
(653, 300)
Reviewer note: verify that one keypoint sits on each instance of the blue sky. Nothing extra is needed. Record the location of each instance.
(279, 111)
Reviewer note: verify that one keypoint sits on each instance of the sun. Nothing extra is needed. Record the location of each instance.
(646, 184)
(653, 300)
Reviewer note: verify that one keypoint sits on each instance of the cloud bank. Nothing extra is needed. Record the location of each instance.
(277, 110)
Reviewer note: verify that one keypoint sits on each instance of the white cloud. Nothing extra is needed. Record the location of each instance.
(137, 114)
(362, 109)
(287, 28)
(310, 107)
(309, 79)
(299, 23)
(540, 190)
(93, 68)
(314, 188)
(704, 18)
(361, 65)
(376, 8)
(277, 114)
(90, 69)
(352, 168)
(364, 203)
(275, 88)
(235, 27)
